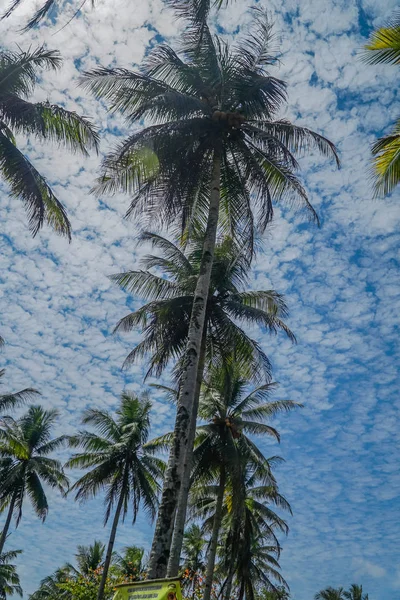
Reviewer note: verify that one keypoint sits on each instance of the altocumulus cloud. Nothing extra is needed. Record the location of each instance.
(341, 283)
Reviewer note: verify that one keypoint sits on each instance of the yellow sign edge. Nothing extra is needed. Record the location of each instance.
(151, 581)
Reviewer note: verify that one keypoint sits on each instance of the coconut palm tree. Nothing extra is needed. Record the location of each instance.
(355, 593)
(49, 588)
(383, 47)
(25, 446)
(257, 568)
(129, 566)
(19, 72)
(164, 320)
(215, 155)
(15, 399)
(231, 413)
(330, 593)
(119, 463)
(88, 559)
(245, 515)
(9, 578)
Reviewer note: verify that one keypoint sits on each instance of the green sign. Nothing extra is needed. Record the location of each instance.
(157, 589)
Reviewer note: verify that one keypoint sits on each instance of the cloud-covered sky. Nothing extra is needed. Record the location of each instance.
(341, 283)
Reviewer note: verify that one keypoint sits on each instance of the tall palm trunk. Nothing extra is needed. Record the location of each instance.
(228, 585)
(110, 547)
(6, 527)
(185, 411)
(241, 590)
(212, 551)
(180, 518)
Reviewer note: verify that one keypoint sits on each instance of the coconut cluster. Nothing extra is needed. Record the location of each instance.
(232, 119)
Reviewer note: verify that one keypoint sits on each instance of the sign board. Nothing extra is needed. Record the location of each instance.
(156, 589)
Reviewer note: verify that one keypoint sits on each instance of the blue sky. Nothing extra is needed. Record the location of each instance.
(341, 283)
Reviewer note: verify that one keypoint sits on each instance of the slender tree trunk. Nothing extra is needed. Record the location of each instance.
(212, 551)
(185, 411)
(228, 586)
(6, 527)
(110, 547)
(241, 591)
(180, 517)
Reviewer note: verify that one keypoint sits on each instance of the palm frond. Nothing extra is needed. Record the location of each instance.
(386, 162)
(383, 46)
(27, 184)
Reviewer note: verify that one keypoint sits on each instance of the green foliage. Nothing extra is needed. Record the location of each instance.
(209, 95)
(18, 78)
(13, 400)
(9, 578)
(25, 446)
(119, 464)
(280, 593)
(164, 320)
(86, 588)
(129, 566)
(383, 47)
(355, 592)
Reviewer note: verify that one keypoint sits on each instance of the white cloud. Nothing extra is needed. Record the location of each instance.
(341, 283)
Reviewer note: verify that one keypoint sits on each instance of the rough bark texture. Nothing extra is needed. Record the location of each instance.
(173, 478)
(6, 527)
(212, 551)
(110, 547)
(180, 518)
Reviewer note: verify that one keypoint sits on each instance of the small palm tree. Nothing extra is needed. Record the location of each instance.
(119, 463)
(215, 156)
(129, 566)
(18, 78)
(242, 511)
(9, 578)
(25, 445)
(15, 399)
(257, 568)
(330, 593)
(383, 47)
(88, 559)
(355, 593)
(49, 588)
(193, 564)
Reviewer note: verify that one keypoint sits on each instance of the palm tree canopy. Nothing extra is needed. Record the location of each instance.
(231, 413)
(193, 549)
(330, 593)
(129, 566)
(118, 461)
(355, 593)
(164, 320)
(15, 399)
(25, 446)
(49, 588)
(88, 558)
(18, 78)
(9, 578)
(249, 543)
(383, 47)
(208, 96)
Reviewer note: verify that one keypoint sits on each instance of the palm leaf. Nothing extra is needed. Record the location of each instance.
(27, 184)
